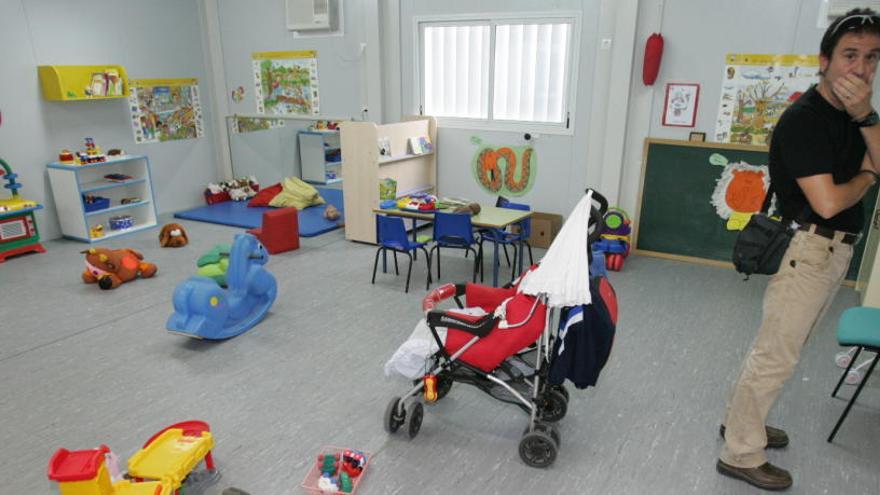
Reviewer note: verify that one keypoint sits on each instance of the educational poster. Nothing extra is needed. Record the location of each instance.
(740, 191)
(756, 89)
(165, 110)
(504, 170)
(242, 125)
(286, 82)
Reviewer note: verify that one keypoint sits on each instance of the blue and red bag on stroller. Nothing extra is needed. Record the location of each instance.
(506, 346)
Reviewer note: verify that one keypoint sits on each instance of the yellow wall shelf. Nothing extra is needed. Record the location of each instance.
(83, 82)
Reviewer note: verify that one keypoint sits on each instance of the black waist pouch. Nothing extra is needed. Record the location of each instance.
(760, 246)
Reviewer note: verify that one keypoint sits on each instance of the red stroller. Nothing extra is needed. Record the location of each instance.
(505, 353)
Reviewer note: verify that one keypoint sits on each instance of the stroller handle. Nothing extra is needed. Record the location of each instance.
(445, 291)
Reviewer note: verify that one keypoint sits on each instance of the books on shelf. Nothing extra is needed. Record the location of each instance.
(420, 145)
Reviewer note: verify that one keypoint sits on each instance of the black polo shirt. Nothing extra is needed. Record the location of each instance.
(811, 138)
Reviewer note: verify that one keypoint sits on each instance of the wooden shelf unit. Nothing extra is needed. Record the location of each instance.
(363, 167)
(71, 182)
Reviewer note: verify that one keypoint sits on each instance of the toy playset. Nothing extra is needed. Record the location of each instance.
(173, 235)
(205, 310)
(164, 466)
(337, 470)
(18, 227)
(615, 240)
(110, 268)
(417, 202)
(92, 154)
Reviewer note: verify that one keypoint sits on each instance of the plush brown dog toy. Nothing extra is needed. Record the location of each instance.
(111, 267)
(173, 235)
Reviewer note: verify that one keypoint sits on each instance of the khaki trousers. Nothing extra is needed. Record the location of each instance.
(795, 300)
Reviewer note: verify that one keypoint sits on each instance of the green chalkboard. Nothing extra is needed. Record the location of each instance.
(676, 216)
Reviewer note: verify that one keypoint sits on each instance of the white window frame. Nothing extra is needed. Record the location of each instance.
(570, 89)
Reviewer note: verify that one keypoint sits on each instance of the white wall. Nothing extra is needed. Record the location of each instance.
(155, 39)
(697, 36)
(562, 168)
(259, 26)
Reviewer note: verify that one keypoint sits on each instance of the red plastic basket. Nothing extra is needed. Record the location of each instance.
(310, 483)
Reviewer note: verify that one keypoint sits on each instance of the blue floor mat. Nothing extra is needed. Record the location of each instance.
(237, 214)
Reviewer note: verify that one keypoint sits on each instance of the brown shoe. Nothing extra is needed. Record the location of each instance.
(766, 476)
(776, 438)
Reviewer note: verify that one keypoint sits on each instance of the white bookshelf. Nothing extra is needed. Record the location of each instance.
(363, 167)
(71, 182)
(313, 149)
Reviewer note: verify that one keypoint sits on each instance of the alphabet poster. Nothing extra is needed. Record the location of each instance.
(165, 110)
(504, 170)
(756, 89)
(286, 82)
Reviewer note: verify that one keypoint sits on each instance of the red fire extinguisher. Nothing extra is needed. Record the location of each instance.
(653, 54)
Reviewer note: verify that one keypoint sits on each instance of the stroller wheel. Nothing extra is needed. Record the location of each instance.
(553, 406)
(393, 419)
(562, 390)
(547, 428)
(414, 419)
(537, 449)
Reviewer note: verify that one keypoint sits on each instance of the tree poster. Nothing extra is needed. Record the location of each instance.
(286, 82)
(165, 110)
(756, 89)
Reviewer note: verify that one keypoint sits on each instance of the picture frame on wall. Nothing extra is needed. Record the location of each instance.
(680, 106)
(697, 137)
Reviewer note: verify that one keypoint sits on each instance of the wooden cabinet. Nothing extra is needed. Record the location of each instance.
(363, 168)
(127, 193)
(320, 156)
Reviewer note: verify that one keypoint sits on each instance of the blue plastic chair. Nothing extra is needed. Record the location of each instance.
(505, 238)
(391, 236)
(455, 230)
(859, 327)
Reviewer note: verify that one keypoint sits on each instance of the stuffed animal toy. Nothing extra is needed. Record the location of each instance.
(112, 267)
(173, 235)
(331, 213)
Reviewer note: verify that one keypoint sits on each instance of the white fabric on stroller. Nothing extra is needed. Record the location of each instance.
(564, 274)
(410, 359)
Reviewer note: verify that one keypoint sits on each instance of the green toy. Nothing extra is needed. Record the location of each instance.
(214, 264)
(345, 482)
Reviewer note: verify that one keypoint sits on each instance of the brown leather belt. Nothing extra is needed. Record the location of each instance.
(828, 233)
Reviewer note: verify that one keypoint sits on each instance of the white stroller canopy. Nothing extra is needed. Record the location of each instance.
(564, 273)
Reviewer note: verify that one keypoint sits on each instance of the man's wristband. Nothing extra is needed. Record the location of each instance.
(869, 120)
(875, 174)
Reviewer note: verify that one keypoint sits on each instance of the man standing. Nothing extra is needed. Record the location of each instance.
(824, 157)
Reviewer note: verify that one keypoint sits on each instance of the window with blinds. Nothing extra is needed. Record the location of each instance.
(498, 71)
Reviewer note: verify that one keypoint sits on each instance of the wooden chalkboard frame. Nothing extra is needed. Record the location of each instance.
(636, 224)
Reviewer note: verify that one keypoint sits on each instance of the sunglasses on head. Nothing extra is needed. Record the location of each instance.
(866, 19)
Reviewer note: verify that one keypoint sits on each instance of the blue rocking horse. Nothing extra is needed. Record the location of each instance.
(204, 310)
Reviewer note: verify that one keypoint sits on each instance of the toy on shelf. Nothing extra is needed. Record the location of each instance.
(66, 157)
(110, 268)
(18, 226)
(615, 240)
(165, 465)
(97, 231)
(173, 235)
(204, 310)
(92, 154)
(337, 470)
(121, 222)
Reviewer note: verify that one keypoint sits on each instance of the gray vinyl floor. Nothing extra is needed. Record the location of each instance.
(80, 367)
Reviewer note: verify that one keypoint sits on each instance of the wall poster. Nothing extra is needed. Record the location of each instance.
(504, 170)
(165, 110)
(286, 82)
(756, 89)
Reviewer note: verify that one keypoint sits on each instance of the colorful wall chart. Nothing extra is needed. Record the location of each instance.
(286, 82)
(165, 110)
(740, 191)
(504, 170)
(242, 125)
(756, 89)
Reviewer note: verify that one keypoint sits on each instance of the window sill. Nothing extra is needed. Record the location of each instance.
(505, 126)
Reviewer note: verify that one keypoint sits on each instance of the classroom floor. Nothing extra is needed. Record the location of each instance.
(81, 367)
